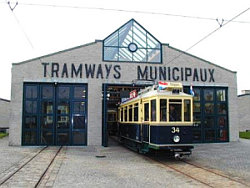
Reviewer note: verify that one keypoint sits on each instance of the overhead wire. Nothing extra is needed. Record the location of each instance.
(209, 34)
(22, 29)
(19, 24)
(128, 11)
(143, 12)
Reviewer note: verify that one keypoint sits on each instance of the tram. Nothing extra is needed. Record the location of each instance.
(159, 117)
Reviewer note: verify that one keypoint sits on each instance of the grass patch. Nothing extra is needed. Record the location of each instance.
(245, 135)
(3, 135)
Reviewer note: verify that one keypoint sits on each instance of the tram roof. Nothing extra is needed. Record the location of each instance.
(156, 93)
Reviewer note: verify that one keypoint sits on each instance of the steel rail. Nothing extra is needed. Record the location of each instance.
(216, 173)
(46, 170)
(12, 174)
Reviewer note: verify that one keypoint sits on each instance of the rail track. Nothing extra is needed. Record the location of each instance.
(204, 176)
(34, 171)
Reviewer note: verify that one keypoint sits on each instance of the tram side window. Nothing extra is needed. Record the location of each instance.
(125, 114)
(130, 112)
(136, 112)
(163, 110)
(187, 110)
(153, 110)
(121, 114)
(175, 110)
(146, 112)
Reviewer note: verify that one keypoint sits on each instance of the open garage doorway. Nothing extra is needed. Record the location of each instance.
(113, 94)
(211, 112)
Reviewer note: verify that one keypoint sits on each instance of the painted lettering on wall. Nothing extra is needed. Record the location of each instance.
(109, 71)
(99, 71)
(175, 74)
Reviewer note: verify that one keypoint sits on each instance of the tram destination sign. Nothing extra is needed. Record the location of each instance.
(114, 71)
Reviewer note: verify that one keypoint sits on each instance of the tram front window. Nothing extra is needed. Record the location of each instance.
(175, 110)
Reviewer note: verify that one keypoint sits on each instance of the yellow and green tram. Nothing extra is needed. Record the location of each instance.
(158, 118)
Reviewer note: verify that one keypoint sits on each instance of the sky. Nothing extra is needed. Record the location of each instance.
(39, 27)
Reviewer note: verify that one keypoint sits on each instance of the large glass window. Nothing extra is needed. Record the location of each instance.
(222, 135)
(209, 94)
(125, 114)
(79, 138)
(79, 107)
(47, 107)
(175, 110)
(187, 110)
(136, 110)
(31, 107)
(47, 137)
(30, 137)
(163, 110)
(222, 122)
(209, 122)
(130, 113)
(121, 114)
(222, 111)
(197, 94)
(31, 92)
(79, 92)
(47, 122)
(63, 107)
(63, 122)
(146, 112)
(197, 107)
(153, 110)
(54, 113)
(30, 122)
(210, 109)
(222, 108)
(132, 43)
(221, 95)
(78, 122)
(47, 92)
(63, 92)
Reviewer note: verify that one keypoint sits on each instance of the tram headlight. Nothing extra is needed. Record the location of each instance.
(176, 138)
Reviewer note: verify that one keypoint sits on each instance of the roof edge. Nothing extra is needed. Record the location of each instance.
(55, 53)
(200, 59)
(6, 100)
(242, 95)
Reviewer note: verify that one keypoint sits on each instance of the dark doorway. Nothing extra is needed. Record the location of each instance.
(113, 94)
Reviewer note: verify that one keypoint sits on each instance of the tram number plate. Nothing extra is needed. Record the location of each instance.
(175, 130)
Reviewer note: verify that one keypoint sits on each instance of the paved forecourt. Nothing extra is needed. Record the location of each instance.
(96, 166)
(232, 158)
(12, 156)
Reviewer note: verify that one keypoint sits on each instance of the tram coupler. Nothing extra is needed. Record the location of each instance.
(181, 154)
